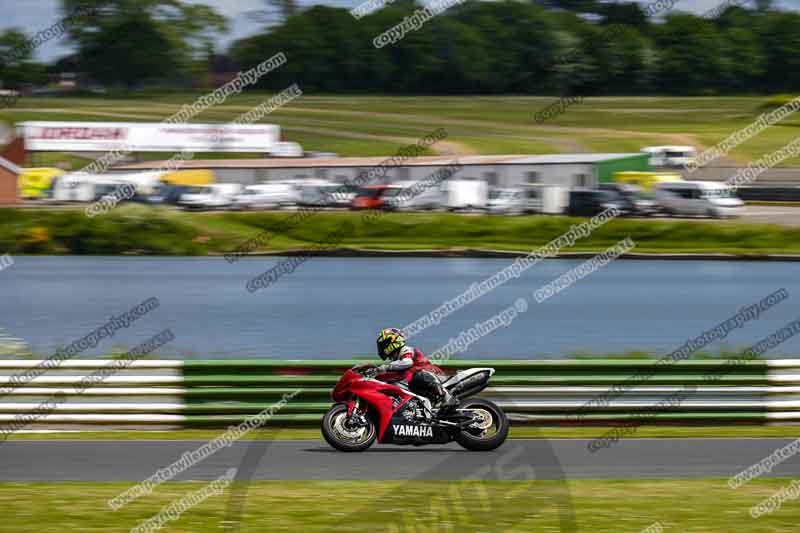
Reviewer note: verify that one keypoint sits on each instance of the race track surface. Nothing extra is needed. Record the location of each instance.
(314, 460)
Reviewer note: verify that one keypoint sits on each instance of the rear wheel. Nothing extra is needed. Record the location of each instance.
(344, 435)
(488, 431)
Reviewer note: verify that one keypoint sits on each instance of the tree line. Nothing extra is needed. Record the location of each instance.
(583, 48)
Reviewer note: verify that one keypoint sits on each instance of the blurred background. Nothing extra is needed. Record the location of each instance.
(378, 159)
(543, 110)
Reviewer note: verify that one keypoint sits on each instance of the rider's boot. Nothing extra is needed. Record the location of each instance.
(448, 402)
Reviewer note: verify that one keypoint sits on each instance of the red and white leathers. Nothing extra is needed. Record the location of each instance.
(405, 363)
(410, 365)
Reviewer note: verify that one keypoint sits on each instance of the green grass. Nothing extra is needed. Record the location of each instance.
(483, 124)
(73, 161)
(504, 144)
(347, 147)
(598, 506)
(517, 432)
(133, 229)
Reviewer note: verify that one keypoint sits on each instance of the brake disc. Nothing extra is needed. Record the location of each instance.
(484, 421)
(355, 434)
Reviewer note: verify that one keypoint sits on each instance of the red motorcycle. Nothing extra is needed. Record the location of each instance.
(367, 409)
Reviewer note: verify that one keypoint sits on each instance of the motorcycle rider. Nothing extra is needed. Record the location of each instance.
(410, 365)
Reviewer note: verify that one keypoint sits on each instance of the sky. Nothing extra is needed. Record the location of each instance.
(35, 15)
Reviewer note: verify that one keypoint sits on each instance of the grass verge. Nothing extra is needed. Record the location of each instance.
(366, 125)
(599, 506)
(136, 229)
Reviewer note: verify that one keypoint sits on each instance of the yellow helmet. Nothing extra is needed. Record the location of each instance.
(390, 341)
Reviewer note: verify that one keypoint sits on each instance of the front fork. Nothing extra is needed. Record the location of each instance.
(354, 415)
(352, 406)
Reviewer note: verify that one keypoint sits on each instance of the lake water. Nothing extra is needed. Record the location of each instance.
(333, 307)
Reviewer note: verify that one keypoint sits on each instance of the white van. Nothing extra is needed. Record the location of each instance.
(707, 198)
(414, 196)
(670, 156)
(214, 196)
(320, 193)
(266, 196)
(515, 201)
(81, 187)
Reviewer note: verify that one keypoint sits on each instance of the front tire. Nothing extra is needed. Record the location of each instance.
(487, 434)
(343, 438)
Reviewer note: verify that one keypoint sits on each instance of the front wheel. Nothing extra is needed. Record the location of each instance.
(488, 431)
(343, 434)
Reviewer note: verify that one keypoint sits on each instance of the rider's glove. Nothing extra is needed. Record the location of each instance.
(373, 371)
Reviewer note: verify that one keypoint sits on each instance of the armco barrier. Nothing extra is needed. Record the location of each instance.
(178, 394)
(769, 194)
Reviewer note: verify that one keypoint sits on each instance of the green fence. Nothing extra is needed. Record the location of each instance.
(180, 394)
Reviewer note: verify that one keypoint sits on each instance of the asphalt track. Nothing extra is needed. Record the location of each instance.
(314, 460)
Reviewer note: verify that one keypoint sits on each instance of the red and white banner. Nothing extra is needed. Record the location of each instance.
(148, 137)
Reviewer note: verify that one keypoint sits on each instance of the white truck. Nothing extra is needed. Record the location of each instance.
(670, 156)
(555, 199)
(466, 194)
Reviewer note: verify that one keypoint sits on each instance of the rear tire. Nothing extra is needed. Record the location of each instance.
(484, 444)
(332, 426)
